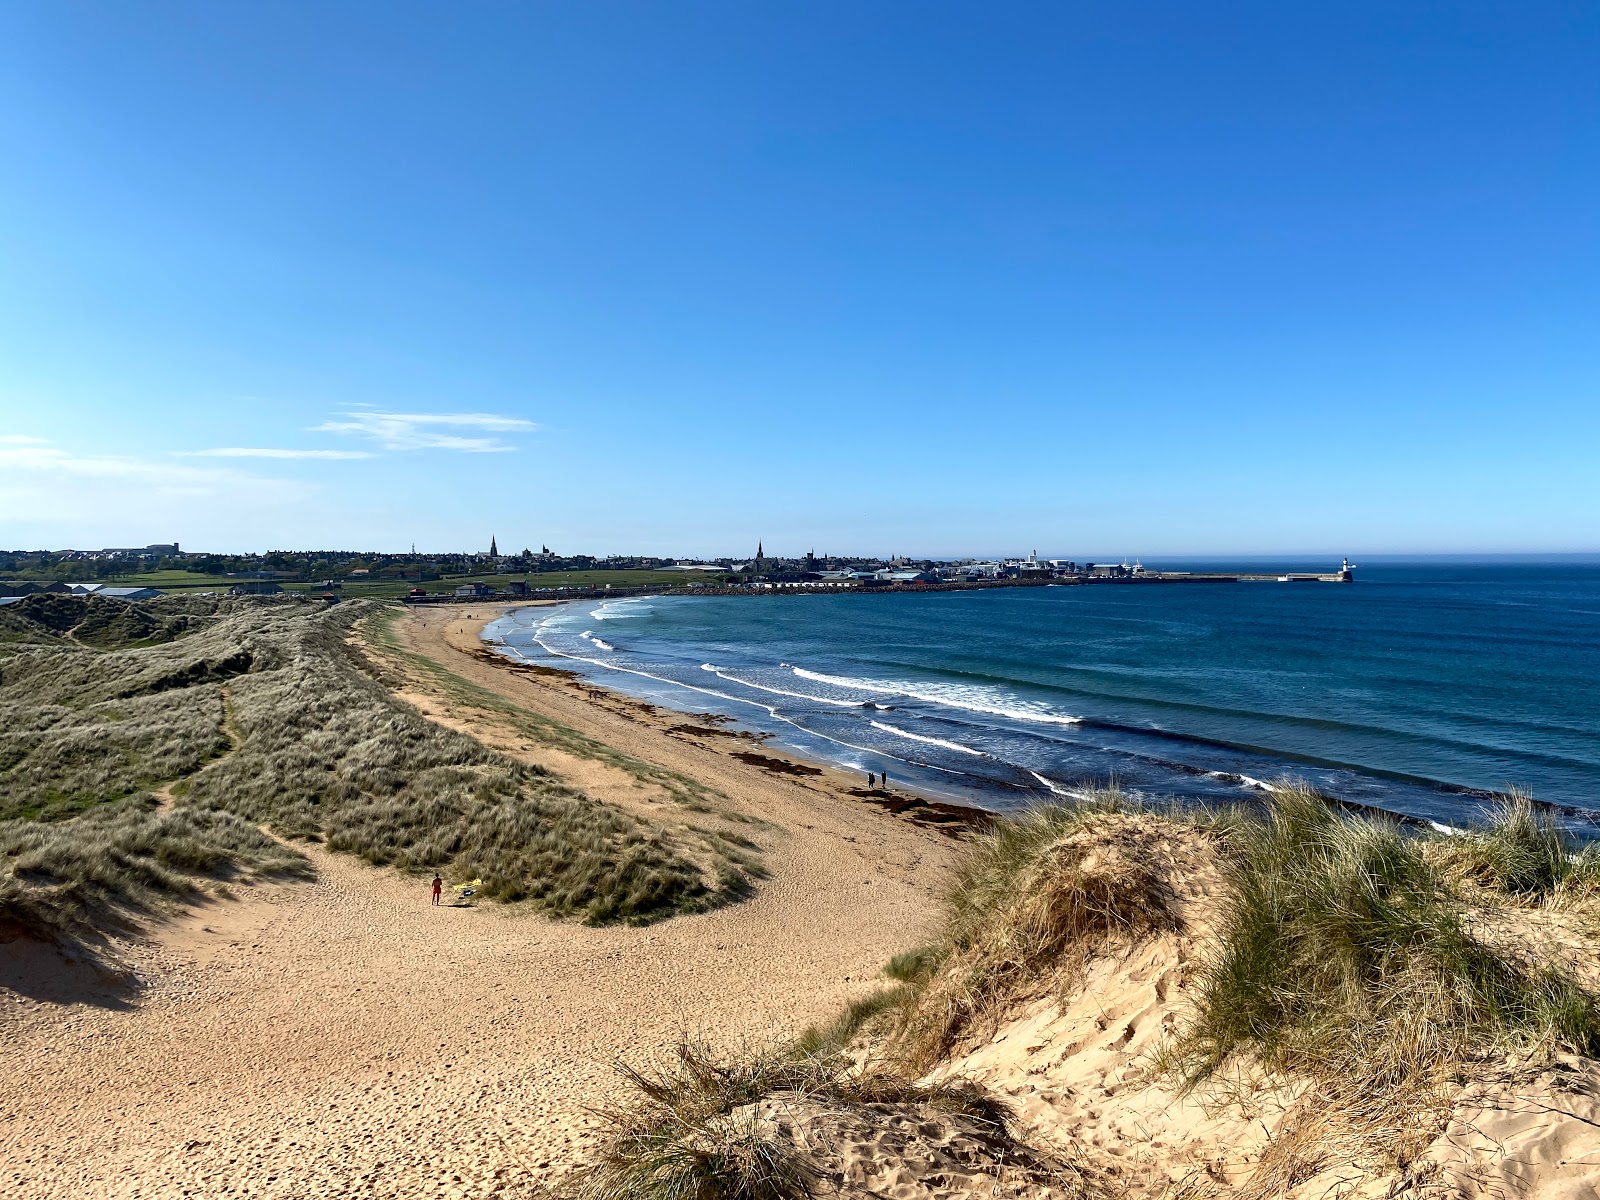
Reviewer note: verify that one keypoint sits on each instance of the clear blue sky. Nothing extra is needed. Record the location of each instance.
(926, 278)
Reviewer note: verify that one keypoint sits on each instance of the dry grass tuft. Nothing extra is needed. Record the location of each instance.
(1342, 957)
(693, 1128)
(1038, 896)
(71, 880)
(1522, 852)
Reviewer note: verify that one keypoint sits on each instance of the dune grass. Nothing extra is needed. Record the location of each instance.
(263, 717)
(536, 727)
(1342, 955)
(859, 1016)
(1036, 898)
(687, 1130)
(99, 622)
(328, 753)
(1521, 851)
(1340, 952)
(72, 880)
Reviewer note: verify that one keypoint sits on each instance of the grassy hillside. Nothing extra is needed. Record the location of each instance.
(140, 772)
(104, 624)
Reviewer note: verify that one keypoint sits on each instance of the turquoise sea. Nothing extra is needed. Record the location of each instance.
(1423, 687)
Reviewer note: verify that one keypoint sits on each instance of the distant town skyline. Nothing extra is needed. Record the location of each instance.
(1222, 280)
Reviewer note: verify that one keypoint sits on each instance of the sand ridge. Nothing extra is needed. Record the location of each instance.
(344, 1038)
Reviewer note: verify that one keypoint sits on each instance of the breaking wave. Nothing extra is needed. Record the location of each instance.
(946, 695)
(932, 741)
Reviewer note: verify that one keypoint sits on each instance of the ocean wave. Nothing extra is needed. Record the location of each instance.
(603, 614)
(1075, 793)
(1245, 780)
(589, 636)
(932, 741)
(946, 696)
(769, 709)
(761, 687)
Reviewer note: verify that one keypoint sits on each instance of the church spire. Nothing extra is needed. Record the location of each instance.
(494, 550)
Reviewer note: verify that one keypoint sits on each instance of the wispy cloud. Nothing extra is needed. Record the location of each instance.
(422, 431)
(265, 452)
(39, 461)
(20, 439)
(49, 491)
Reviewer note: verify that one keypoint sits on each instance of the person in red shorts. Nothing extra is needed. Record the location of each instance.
(438, 886)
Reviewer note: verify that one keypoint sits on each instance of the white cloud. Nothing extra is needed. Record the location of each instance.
(262, 452)
(19, 439)
(26, 468)
(419, 431)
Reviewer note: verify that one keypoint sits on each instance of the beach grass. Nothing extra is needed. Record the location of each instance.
(77, 879)
(1035, 898)
(1338, 950)
(94, 621)
(839, 1035)
(262, 718)
(691, 1127)
(1521, 851)
(548, 732)
(1343, 955)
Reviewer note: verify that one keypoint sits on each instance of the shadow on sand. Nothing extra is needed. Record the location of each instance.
(46, 973)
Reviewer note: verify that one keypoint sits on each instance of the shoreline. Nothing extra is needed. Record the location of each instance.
(341, 1037)
(1462, 804)
(906, 802)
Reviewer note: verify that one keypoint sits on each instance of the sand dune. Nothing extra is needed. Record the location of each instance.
(343, 1038)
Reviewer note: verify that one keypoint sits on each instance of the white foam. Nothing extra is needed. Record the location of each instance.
(1246, 780)
(603, 613)
(761, 687)
(589, 636)
(949, 696)
(932, 741)
(1086, 795)
(767, 708)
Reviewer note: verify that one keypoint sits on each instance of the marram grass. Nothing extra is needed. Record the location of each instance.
(261, 715)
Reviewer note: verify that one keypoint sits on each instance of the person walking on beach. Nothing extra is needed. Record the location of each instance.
(438, 886)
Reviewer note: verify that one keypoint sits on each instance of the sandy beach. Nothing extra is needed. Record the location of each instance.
(345, 1038)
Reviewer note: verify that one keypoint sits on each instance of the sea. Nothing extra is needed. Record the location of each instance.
(1425, 688)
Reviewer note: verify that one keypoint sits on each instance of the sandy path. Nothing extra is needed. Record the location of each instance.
(344, 1038)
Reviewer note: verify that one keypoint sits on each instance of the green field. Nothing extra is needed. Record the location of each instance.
(378, 589)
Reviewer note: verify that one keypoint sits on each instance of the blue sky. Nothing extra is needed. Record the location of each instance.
(935, 279)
